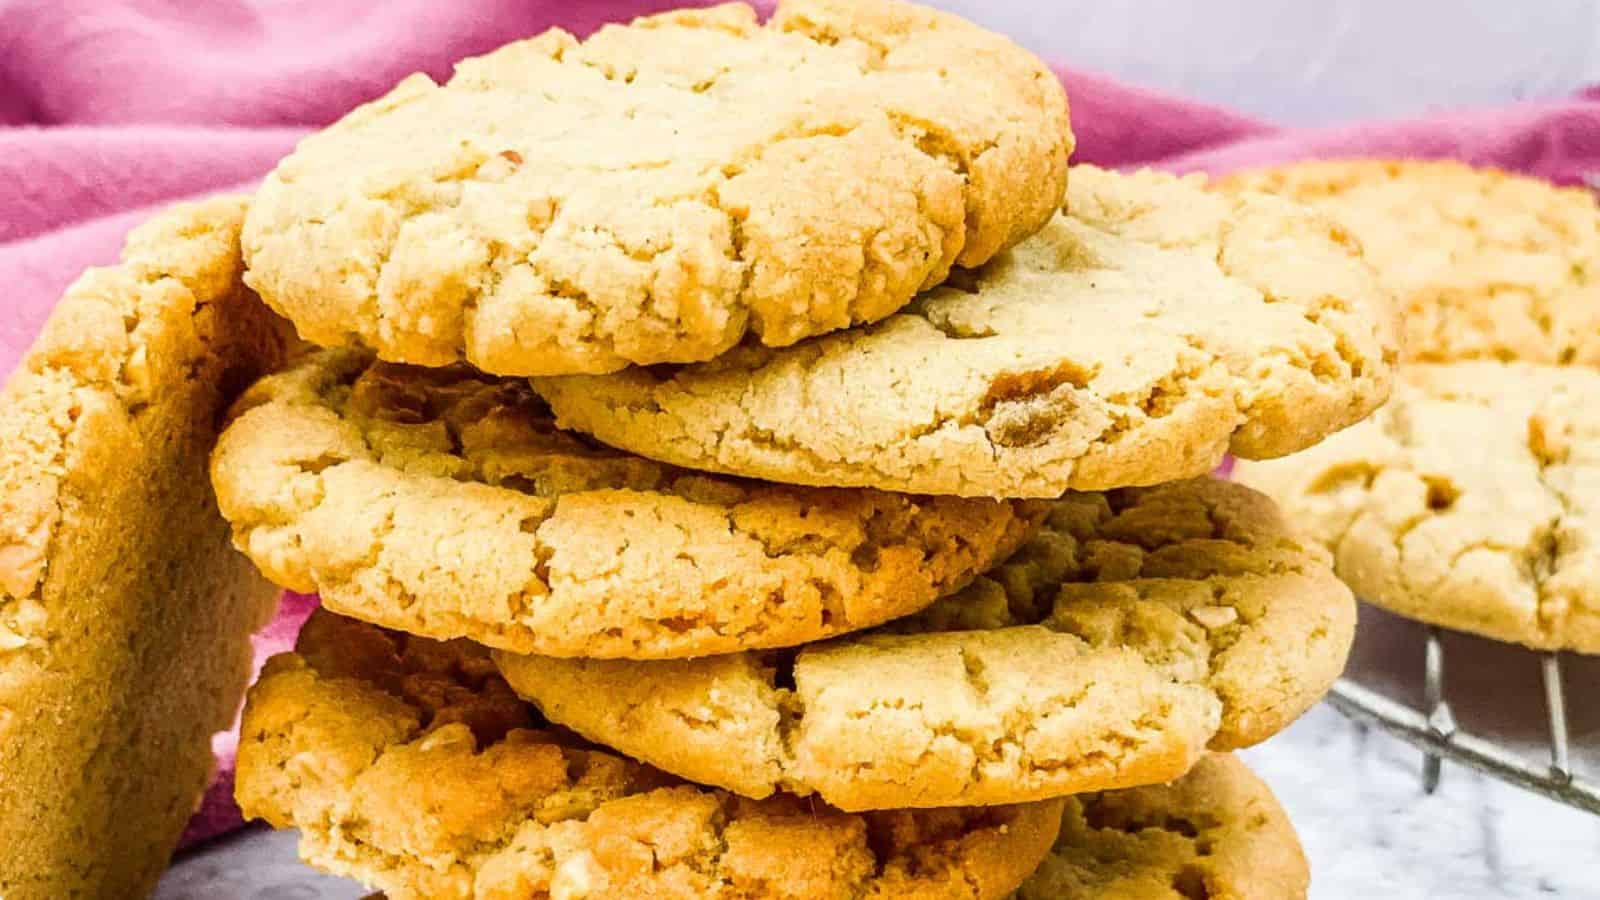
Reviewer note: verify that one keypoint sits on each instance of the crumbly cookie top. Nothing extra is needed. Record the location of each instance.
(409, 764)
(1471, 501)
(1147, 330)
(1134, 630)
(1216, 833)
(1205, 580)
(655, 192)
(120, 335)
(130, 344)
(445, 502)
(1485, 264)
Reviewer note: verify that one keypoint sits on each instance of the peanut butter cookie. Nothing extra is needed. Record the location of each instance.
(1485, 264)
(1216, 833)
(1147, 330)
(660, 190)
(410, 765)
(1471, 501)
(445, 503)
(125, 616)
(1135, 630)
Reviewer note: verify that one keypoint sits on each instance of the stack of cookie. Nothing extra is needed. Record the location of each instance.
(745, 464)
(1472, 501)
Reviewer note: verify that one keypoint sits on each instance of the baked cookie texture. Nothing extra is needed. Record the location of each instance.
(662, 189)
(1135, 630)
(1471, 501)
(445, 503)
(1485, 264)
(124, 612)
(1148, 330)
(409, 764)
(1217, 833)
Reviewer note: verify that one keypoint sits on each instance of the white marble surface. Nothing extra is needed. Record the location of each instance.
(1369, 831)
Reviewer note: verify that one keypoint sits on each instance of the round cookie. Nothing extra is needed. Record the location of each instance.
(1485, 264)
(410, 765)
(660, 190)
(125, 616)
(1135, 630)
(1471, 501)
(445, 503)
(1146, 331)
(1216, 833)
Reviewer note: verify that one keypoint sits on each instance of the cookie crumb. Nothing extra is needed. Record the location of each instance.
(1214, 617)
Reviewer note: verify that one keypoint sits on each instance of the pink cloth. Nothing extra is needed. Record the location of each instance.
(110, 108)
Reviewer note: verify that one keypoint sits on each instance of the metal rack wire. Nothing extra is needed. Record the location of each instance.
(1433, 730)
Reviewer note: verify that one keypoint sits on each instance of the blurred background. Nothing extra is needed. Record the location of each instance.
(1316, 63)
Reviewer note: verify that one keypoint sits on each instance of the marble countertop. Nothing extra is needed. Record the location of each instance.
(1354, 795)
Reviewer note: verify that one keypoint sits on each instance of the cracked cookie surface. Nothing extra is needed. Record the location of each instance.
(445, 503)
(408, 764)
(660, 190)
(1146, 331)
(1485, 264)
(1217, 833)
(1471, 501)
(125, 615)
(1133, 631)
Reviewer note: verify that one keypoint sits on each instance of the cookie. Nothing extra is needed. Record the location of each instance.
(1471, 501)
(445, 503)
(125, 615)
(1216, 833)
(657, 192)
(1145, 332)
(1485, 264)
(410, 765)
(1135, 630)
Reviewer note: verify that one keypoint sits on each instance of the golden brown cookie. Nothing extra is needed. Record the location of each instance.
(410, 765)
(1485, 264)
(445, 503)
(125, 615)
(1146, 331)
(662, 189)
(1217, 833)
(1471, 501)
(1135, 630)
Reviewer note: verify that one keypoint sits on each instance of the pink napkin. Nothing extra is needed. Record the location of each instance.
(109, 108)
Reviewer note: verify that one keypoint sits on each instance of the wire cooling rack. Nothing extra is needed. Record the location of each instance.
(1433, 729)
